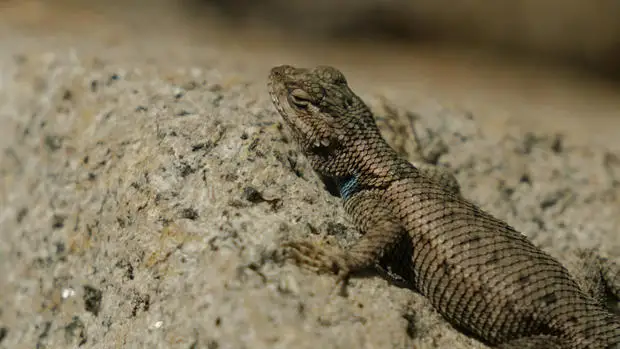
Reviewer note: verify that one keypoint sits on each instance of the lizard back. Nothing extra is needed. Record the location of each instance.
(488, 278)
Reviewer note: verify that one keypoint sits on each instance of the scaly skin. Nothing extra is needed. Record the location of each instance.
(482, 275)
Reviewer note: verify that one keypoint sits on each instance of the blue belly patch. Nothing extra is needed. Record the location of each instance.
(348, 186)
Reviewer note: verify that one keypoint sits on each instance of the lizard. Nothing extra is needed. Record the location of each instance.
(483, 276)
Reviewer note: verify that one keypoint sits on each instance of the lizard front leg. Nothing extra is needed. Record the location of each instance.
(380, 229)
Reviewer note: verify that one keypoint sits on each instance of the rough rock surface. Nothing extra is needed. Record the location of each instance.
(143, 206)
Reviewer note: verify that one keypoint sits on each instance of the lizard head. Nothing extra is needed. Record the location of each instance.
(319, 107)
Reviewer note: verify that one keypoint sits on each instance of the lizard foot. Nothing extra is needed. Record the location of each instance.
(320, 259)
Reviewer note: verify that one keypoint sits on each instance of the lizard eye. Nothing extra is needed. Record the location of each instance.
(300, 98)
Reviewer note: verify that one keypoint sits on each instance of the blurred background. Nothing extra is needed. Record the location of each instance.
(584, 34)
(553, 63)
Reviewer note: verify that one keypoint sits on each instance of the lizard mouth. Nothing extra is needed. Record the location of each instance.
(306, 124)
(278, 91)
